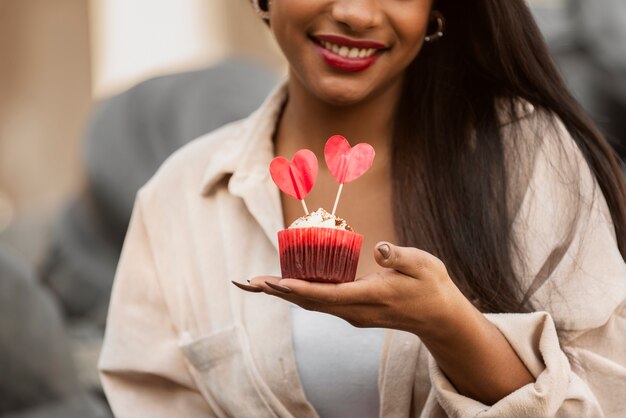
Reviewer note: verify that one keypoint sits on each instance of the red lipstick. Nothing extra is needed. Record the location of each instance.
(352, 43)
(347, 64)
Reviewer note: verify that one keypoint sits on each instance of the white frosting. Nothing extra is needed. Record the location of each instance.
(320, 219)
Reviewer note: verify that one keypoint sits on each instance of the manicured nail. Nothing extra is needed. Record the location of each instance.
(279, 288)
(384, 250)
(247, 287)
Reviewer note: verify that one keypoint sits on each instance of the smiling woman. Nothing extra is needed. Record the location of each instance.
(494, 210)
(391, 39)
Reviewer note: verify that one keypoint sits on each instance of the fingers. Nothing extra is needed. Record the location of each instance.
(361, 303)
(329, 293)
(344, 300)
(279, 288)
(333, 293)
(407, 260)
(269, 285)
(247, 288)
(265, 284)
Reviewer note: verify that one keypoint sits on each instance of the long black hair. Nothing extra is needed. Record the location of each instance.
(449, 148)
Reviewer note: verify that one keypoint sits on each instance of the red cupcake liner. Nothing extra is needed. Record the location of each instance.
(319, 254)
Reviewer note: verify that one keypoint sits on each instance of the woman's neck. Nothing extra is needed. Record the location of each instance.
(307, 121)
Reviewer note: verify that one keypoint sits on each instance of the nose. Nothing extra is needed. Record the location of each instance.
(358, 15)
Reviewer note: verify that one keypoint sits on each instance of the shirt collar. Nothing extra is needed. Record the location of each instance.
(249, 154)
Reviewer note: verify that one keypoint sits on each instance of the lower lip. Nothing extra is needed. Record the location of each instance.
(350, 65)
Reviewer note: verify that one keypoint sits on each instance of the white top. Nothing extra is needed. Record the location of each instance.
(337, 363)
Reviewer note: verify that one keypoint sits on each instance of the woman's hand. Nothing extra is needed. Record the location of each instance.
(413, 293)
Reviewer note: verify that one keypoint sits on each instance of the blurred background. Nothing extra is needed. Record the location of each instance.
(95, 94)
(59, 57)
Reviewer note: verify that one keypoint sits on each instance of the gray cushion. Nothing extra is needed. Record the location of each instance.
(127, 139)
(37, 375)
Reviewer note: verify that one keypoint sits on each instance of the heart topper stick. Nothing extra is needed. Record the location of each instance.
(347, 163)
(296, 177)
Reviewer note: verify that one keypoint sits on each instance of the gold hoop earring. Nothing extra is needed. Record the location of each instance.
(263, 14)
(441, 26)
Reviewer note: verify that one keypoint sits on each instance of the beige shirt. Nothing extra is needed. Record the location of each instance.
(182, 341)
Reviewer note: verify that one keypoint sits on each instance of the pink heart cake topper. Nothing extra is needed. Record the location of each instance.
(296, 177)
(347, 163)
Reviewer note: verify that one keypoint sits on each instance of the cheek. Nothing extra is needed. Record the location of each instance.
(289, 18)
(411, 26)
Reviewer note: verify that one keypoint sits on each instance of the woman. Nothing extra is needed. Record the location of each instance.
(506, 297)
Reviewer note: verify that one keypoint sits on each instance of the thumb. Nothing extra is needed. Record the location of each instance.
(406, 260)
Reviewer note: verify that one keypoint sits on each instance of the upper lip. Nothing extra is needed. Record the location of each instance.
(353, 43)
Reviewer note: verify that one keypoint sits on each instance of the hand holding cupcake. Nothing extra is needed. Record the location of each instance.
(319, 253)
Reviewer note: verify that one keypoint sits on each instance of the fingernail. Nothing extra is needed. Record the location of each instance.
(247, 288)
(384, 250)
(279, 288)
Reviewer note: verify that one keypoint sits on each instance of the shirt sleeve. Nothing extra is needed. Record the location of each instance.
(575, 278)
(142, 369)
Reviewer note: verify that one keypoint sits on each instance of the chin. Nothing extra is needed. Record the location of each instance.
(341, 94)
(343, 100)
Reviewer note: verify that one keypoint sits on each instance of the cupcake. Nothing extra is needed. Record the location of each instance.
(320, 246)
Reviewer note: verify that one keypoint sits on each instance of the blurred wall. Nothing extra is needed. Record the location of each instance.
(59, 56)
(134, 40)
(45, 94)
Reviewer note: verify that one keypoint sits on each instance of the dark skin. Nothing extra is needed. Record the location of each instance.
(399, 288)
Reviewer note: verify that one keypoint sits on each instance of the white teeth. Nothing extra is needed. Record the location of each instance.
(347, 52)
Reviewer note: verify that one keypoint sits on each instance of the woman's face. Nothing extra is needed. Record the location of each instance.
(346, 51)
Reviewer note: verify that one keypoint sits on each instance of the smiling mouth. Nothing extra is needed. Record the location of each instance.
(345, 51)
